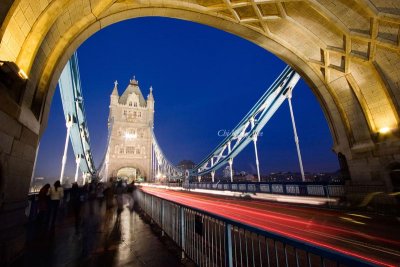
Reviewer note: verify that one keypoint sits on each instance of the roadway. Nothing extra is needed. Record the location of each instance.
(372, 238)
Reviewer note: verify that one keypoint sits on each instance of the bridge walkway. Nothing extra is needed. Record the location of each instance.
(105, 238)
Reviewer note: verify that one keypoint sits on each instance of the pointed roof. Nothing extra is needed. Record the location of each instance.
(133, 87)
(150, 95)
(115, 90)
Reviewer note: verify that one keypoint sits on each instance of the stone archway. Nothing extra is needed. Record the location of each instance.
(348, 51)
(130, 174)
(348, 58)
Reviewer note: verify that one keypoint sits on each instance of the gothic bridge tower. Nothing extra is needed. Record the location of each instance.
(130, 126)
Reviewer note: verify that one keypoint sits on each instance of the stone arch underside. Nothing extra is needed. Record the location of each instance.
(347, 50)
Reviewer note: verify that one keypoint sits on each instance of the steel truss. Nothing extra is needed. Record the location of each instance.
(74, 111)
(250, 126)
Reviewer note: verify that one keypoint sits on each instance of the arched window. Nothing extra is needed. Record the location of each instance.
(135, 104)
(130, 103)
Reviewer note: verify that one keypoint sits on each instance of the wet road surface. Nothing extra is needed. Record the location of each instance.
(371, 238)
(105, 238)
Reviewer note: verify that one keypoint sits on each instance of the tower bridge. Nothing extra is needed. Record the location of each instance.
(347, 51)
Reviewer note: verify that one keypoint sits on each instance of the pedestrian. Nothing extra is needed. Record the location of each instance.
(108, 194)
(43, 206)
(119, 190)
(76, 203)
(100, 193)
(56, 193)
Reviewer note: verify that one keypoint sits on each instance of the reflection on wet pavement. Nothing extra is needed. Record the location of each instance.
(105, 238)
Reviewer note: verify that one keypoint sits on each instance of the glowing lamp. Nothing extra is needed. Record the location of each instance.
(384, 130)
(22, 74)
(129, 136)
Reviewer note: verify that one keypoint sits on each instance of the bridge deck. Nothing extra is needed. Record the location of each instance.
(105, 239)
(372, 238)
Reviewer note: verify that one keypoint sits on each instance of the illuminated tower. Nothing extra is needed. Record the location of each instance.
(130, 121)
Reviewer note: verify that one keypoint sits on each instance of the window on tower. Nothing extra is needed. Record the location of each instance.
(130, 104)
(135, 104)
(130, 150)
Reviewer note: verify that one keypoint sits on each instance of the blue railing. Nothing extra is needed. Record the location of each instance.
(212, 240)
(295, 189)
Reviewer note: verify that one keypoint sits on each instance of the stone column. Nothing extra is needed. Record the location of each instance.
(19, 135)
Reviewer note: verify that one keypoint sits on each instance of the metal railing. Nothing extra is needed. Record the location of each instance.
(295, 189)
(212, 240)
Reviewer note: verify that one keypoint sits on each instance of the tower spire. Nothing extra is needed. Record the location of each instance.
(115, 90)
(150, 95)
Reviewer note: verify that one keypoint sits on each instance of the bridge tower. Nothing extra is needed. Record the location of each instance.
(130, 125)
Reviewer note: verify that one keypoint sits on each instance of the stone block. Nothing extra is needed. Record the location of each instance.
(17, 149)
(9, 126)
(29, 138)
(5, 143)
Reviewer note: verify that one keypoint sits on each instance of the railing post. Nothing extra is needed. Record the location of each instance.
(151, 211)
(162, 217)
(182, 231)
(228, 245)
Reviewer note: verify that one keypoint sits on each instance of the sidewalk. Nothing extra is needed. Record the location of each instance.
(105, 239)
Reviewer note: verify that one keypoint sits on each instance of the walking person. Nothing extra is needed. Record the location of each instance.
(56, 195)
(108, 194)
(76, 203)
(119, 190)
(43, 206)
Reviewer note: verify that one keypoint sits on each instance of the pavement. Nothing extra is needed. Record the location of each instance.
(105, 238)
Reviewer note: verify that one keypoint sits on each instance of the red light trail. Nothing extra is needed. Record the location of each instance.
(372, 242)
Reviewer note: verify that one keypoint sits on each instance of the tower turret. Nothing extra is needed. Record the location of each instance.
(114, 95)
(150, 99)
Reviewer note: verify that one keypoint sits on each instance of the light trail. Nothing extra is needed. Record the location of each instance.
(347, 239)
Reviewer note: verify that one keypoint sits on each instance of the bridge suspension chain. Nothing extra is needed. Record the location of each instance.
(250, 126)
(161, 166)
(74, 111)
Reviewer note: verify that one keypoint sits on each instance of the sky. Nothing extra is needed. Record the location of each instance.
(204, 81)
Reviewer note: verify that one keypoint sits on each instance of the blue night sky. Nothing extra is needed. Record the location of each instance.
(205, 80)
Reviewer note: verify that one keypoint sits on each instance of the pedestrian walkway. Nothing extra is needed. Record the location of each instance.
(105, 239)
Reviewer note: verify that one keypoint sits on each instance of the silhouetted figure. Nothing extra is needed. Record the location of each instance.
(119, 190)
(76, 203)
(43, 206)
(56, 195)
(108, 194)
(100, 193)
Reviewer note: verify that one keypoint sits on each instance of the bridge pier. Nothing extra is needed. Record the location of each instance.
(19, 135)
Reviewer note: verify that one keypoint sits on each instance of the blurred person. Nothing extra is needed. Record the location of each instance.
(119, 190)
(108, 194)
(56, 193)
(76, 203)
(43, 205)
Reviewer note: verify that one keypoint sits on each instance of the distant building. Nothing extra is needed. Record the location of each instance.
(130, 125)
(186, 165)
(226, 172)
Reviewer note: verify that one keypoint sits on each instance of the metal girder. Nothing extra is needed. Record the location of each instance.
(163, 164)
(248, 128)
(74, 111)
